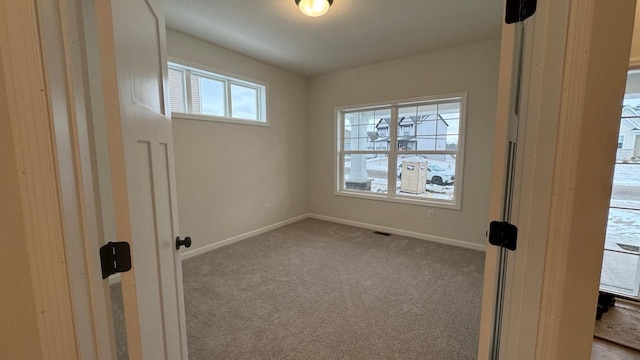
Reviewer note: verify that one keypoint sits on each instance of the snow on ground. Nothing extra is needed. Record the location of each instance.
(624, 220)
(620, 264)
(377, 170)
(627, 175)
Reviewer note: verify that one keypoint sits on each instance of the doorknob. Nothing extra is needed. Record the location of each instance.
(186, 242)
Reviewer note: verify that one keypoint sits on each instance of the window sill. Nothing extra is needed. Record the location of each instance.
(212, 118)
(400, 200)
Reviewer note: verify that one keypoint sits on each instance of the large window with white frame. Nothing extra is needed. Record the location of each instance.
(206, 95)
(405, 151)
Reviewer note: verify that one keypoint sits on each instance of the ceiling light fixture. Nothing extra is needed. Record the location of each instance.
(314, 8)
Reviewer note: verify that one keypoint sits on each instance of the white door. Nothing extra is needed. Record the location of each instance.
(132, 50)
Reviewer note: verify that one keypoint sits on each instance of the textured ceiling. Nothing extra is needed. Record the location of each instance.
(353, 32)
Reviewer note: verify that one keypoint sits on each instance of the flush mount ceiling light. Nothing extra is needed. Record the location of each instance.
(314, 8)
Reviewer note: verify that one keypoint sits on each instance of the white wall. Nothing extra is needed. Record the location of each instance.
(472, 68)
(225, 173)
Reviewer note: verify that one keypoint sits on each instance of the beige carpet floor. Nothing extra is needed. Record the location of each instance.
(620, 325)
(319, 290)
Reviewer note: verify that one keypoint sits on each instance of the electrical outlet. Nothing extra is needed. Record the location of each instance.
(430, 214)
(266, 207)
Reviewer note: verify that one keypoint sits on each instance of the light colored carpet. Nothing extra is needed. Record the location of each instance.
(620, 325)
(117, 309)
(319, 290)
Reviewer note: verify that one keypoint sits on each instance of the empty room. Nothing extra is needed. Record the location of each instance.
(332, 174)
(306, 179)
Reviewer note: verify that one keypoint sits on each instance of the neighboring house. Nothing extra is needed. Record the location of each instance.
(414, 133)
(628, 141)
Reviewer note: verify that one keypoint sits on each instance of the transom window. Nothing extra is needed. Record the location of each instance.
(212, 96)
(408, 151)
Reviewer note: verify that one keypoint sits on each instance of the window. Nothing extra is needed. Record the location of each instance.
(204, 95)
(408, 151)
(621, 261)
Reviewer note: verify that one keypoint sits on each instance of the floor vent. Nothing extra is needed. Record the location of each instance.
(381, 233)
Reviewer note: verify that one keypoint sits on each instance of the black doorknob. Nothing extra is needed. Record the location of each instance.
(186, 242)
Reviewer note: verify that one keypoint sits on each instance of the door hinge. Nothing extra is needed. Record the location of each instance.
(519, 10)
(503, 234)
(115, 257)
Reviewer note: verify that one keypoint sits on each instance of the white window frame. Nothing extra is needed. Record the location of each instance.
(392, 195)
(228, 79)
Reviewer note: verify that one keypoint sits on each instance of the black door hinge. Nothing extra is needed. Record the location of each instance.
(503, 234)
(115, 257)
(519, 10)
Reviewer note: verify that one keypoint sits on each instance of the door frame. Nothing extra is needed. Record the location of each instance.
(553, 277)
(44, 91)
(567, 291)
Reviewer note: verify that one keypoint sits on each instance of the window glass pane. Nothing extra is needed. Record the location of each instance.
(407, 111)
(383, 114)
(428, 112)
(449, 110)
(366, 173)
(453, 126)
(452, 142)
(442, 127)
(208, 96)
(361, 130)
(244, 102)
(426, 176)
(176, 90)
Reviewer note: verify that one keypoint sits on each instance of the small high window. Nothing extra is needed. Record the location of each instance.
(205, 95)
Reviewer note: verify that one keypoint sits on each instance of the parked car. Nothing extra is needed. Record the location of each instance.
(435, 174)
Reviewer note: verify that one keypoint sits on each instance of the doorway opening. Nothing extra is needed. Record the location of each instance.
(619, 300)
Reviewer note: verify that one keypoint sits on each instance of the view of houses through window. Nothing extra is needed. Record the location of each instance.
(414, 147)
(621, 265)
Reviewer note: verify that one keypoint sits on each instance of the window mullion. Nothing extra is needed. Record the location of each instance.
(227, 98)
(393, 153)
(257, 103)
(341, 154)
(189, 95)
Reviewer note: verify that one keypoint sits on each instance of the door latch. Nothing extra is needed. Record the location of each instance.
(115, 257)
(503, 234)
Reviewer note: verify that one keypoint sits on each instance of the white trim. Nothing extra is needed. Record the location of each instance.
(213, 118)
(203, 67)
(593, 79)
(216, 245)
(403, 102)
(400, 199)
(29, 122)
(420, 236)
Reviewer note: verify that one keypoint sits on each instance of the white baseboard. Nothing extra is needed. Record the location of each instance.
(438, 239)
(201, 250)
